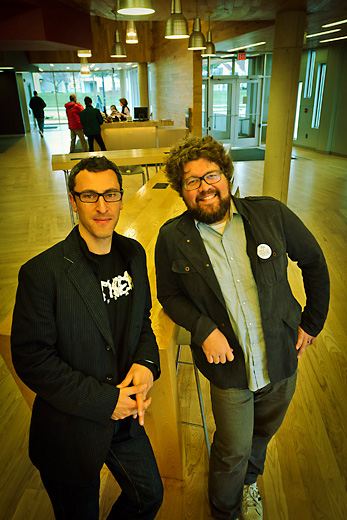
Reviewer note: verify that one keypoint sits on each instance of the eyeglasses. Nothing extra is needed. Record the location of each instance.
(193, 183)
(91, 197)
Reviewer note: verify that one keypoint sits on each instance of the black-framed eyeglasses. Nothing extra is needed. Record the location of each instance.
(91, 197)
(193, 183)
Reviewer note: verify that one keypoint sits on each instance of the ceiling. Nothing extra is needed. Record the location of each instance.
(319, 12)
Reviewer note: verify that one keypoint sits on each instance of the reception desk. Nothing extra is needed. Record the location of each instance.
(123, 135)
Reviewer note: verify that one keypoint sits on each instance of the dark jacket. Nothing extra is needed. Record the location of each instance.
(37, 105)
(91, 120)
(190, 293)
(63, 349)
(72, 112)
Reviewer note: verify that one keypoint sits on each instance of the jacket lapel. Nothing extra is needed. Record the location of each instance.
(81, 275)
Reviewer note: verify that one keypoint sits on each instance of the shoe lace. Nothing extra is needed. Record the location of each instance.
(252, 498)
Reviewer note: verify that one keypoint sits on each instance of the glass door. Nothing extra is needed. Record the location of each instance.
(234, 111)
(247, 113)
(220, 109)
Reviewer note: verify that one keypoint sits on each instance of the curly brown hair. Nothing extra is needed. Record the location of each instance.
(191, 149)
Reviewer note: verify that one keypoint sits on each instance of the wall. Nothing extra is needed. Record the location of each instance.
(11, 121)
(331, 136)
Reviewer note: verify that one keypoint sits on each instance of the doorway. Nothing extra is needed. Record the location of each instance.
(233, 114)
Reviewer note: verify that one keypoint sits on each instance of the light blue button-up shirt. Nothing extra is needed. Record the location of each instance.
(227, 252)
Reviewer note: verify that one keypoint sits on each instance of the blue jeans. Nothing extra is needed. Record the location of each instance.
(132, 463)
(245, 422)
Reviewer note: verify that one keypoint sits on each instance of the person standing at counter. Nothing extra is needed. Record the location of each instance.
(222, 274)
(82, 341)
(125, 108)
(91, 120)
(73, 110)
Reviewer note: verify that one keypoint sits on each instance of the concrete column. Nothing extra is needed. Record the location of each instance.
(289, 35)
(123, 84)
(143, 84)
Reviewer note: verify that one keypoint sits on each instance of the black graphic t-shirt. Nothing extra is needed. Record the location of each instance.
(116, 286)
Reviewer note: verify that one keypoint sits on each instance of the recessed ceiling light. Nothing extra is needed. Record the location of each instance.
(246, 46)
(321, 33)
(334, 39)
(334, 23)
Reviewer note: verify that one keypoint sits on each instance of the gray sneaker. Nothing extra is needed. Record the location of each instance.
(252, 508)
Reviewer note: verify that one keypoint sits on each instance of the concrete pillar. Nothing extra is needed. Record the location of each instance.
(143, 84)
(123, 84)
(289, 35)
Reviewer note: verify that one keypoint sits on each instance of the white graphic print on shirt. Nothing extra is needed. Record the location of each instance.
(120, 285)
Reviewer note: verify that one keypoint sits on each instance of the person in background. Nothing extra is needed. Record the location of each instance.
(73, 110)
(37, 105)
(91, 120)
(82, 341)
(115, 114)
(222, 275)
(125, 108)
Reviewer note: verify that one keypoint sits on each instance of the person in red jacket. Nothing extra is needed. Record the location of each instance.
(72, 111)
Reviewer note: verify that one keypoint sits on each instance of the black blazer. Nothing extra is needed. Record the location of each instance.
(62, 348)
(191, 295)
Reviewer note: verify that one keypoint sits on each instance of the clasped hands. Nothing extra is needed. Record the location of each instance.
(138, 381)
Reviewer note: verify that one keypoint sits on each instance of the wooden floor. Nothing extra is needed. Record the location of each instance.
(306, 471)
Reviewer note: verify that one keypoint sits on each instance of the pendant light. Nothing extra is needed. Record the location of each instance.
(210, 48)
(118, 49)
(131, 33)
(84, 53)
(84, 67)
(136, 7)
(177, 25)
(196, 39)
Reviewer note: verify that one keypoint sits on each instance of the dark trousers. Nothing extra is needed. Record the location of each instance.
(132, 463)
(245, 423)
(98, 139)
(41, 123)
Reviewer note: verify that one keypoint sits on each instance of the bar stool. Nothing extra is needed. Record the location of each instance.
(184, 338)
(133, 170)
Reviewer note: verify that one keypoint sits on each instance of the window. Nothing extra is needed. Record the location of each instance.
(311, 58)
(318, 98)
(297, 112)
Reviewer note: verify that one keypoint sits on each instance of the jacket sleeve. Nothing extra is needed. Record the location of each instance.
(303, 248)
(99, 117)
(172, 296)
(37, 359)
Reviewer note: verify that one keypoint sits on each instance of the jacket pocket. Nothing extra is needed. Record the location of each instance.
(182, 266)
(274, 269)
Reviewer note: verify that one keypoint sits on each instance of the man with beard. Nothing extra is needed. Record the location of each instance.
(222, 275)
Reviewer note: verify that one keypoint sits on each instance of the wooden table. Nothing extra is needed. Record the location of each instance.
(141, 218)
(143, 156)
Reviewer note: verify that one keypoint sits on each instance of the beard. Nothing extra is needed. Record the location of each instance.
(211, 215)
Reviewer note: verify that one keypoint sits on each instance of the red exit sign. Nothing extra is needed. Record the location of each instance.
(241, 55)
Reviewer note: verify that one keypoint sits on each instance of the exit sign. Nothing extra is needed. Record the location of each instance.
(241, 55)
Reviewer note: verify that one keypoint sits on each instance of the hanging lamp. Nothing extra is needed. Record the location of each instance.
(131, 32)
(136, 7)
(84, 67)
(118, 49)
(196, 39)
(177, 25)
(84, 53)
(210, 47)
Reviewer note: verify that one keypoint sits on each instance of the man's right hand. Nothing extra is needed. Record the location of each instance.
(127, 406)
(216, 348)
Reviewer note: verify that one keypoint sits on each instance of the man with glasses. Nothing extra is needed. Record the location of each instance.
(222, 275)
(82, 340)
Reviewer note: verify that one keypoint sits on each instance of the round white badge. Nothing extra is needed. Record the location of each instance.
(264, 251)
